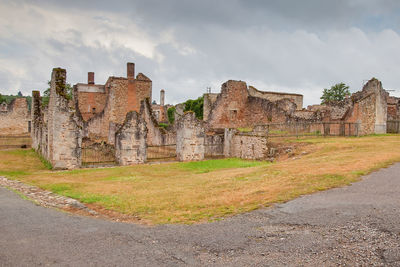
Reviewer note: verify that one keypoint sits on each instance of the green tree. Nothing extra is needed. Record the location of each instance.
(2, 99)
(196, 106)
(19, 93)
(336, 93)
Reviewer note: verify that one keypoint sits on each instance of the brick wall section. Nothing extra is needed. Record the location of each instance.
(64, 126)
(190, 138)
(252, 145)
(14, 118)
(91, 99)
(393, 110)
(130, 140)
(275, 96)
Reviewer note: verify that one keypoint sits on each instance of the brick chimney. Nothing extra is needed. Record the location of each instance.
(130, 70)
(162, 97)
(90, 78)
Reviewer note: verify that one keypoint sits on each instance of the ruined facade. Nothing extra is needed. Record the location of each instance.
(235, 107)
(103, 107)
(15, 117)
(239, 106)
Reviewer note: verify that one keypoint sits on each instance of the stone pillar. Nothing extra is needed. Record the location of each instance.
(162, 97)
(64, 126)
(35, 119)
(90, 78)
(130, 140)
(190, 138)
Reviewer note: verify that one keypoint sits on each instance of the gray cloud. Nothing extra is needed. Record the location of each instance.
(185, 46)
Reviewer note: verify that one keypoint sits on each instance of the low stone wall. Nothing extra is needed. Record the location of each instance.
(253, 145)
(189, 138)
(130, 140)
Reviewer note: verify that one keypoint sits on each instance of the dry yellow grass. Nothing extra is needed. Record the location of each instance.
(195, 192)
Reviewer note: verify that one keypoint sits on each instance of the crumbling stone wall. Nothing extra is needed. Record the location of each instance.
(234, 108)
(64, 127)
(251, 145)
(91, 99)
(15, 117)
(130, 140)
(156, 135)
(209, 100)
(276, 96)
(369, 108)
(190, 138)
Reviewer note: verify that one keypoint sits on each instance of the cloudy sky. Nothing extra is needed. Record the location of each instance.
(186, 46)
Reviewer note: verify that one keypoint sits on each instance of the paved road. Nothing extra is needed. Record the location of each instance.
(356, 225)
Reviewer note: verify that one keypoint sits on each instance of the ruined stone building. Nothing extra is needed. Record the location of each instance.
(239, 105)
(119, 116)
(104, 106)
(15, 117)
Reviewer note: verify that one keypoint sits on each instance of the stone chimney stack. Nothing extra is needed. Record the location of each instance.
(130, 70)
(162, 97)
(90, 78)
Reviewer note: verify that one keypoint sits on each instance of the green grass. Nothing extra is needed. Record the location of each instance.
(245, 130)
(219, 164)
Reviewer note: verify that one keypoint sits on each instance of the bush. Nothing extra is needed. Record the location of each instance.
(171, 115)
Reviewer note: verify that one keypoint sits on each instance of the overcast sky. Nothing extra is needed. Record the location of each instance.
(185, 46)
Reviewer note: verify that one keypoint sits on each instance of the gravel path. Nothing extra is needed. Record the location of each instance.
(354, 225)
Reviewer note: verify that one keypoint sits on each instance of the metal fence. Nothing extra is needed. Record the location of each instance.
(299, 129)
(98, 155)
(393, 127)
(15, 141)
(163, 152)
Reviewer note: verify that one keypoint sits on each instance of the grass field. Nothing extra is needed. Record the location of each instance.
(209, 190)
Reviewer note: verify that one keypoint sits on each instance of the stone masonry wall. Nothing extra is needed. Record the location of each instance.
(64, 126)
(275, 96)
(235, 108)
(91, 99)
(156, 135)
(245, 145)
(209, 100)
(130, 140)
(15, 117)
(190, 138)
(369, 108)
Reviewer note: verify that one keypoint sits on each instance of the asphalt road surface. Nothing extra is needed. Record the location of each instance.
(354, 225)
